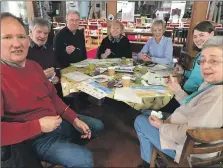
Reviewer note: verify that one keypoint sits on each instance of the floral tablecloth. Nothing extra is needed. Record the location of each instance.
(70, 86)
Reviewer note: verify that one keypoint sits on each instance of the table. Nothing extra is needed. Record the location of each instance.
(70, 86)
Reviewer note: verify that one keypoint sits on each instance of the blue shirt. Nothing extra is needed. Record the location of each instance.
(161, 53)
(194, 77)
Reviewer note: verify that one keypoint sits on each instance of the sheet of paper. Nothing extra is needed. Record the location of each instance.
(77, 76)
(127, 94)
(154, 79)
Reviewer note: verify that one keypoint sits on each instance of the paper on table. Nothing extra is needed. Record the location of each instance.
(127, 94)
(77, 76)
(153, 80)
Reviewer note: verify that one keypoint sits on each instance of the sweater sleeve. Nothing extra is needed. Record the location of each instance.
(61, 108)
(16, 132)
(60, 50)
(206, 114)
(168, 54)
(127, 47)
(145, 49)
(102, 48)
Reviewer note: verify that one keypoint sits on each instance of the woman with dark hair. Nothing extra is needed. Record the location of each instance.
(202, 32)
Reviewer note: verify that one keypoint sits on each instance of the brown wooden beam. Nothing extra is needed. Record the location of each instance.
(111, 9)
(199, 12)
(30, 10)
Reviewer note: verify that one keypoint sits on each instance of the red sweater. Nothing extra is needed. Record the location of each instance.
(27, 96)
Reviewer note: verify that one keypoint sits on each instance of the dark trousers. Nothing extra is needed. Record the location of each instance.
(171, 106)
(19, 156)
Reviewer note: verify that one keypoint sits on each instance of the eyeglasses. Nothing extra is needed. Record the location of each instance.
(210, 62)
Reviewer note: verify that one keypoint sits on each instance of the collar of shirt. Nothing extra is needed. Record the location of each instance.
(11, 64)
(161, 41)
(73, 32)
(34, 45)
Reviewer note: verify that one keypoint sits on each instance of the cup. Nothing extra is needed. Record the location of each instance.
(111, 71)
(91, 67)
(111, 83)
(125, 81)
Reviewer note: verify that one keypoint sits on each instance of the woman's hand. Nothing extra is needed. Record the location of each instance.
(145, 57)
(178, 69)
(154, 121)
(83, 128)
(49, 123)
(173, 84)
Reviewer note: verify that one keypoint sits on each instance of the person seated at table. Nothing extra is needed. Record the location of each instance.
(201, 33)
(115, 45)
(158, 49)
(202, 109)
(69, 43)
(41, 52)
(31, 108)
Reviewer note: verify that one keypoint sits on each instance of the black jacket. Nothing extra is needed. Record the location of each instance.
(64, 38)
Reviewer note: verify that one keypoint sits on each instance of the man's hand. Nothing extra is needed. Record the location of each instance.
(83, 128)
(70, 49)
(154, 121)
(55, 80)
(49, 72)
(49, 123)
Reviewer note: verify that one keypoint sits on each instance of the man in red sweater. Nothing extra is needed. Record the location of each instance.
(30, 108)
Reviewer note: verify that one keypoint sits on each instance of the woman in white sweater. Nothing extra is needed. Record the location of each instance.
(202, 109)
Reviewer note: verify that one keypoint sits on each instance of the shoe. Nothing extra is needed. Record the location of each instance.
(144, 165)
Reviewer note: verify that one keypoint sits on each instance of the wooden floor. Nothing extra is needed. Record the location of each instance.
(118, 145)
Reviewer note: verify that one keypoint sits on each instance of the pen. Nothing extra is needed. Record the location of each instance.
(64, 110)
(112, 53)
(75, 47)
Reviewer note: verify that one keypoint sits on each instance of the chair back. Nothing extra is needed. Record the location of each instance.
(203, 141)
(186, 60)
(198, 142)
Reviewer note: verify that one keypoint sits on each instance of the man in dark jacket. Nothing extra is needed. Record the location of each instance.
(42, 53)
(69, 43)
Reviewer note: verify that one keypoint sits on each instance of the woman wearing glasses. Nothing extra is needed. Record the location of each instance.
(202, 109)
(115, 45)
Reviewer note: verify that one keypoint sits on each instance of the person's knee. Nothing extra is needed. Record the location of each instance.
(138, 122)
(85, 159)
(99, 126)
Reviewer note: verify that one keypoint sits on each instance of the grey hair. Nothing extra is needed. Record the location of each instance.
(40, 22)
(159, 22)
(72, 12)
(216, 41)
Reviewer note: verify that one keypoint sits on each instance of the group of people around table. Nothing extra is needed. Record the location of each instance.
(38, 126)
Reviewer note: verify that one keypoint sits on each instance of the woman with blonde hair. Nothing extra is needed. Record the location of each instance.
(115, 45)
(158, 49)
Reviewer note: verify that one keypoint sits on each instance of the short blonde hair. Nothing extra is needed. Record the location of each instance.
(159, 23)
(119, 23)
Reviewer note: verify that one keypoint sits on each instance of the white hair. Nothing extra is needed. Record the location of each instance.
(72, 12)
(40, 22)
(216, 41)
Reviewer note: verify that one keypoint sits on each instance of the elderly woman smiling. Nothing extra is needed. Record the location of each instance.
(202, 109)
(158, 49)
(115, 45)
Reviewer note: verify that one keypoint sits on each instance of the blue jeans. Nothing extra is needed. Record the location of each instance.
(56, 147)
(149, 137)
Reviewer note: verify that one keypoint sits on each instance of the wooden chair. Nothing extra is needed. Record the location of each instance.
(198, 142)
(186, 60)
